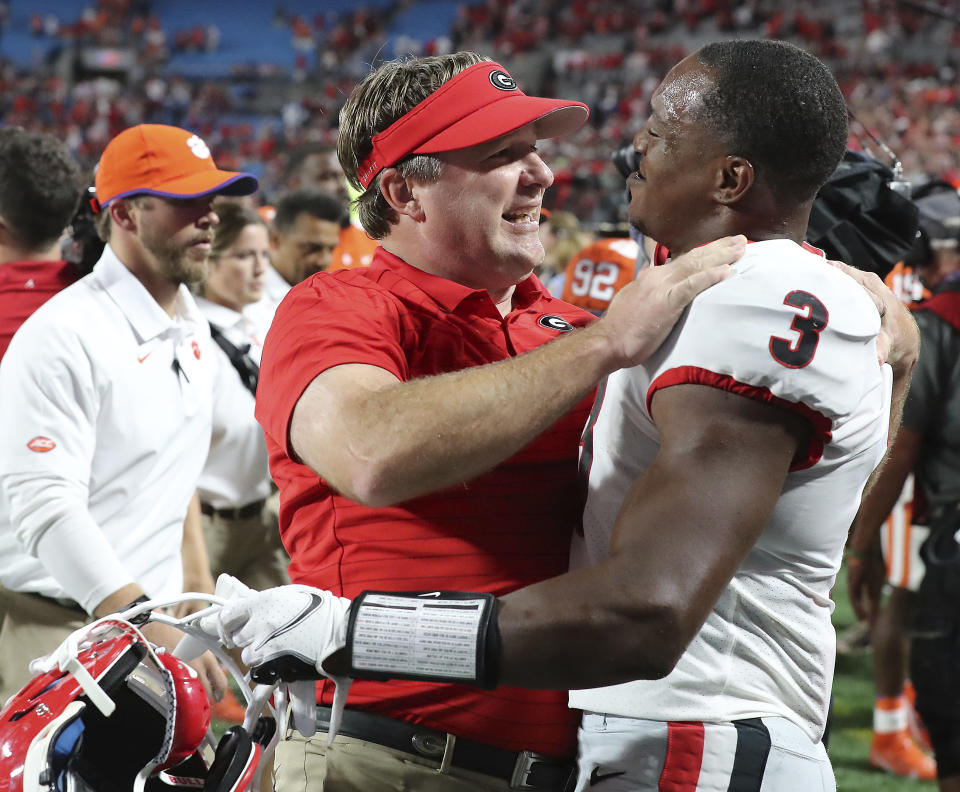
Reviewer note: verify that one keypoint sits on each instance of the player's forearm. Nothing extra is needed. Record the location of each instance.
(395, 443)
(405, 440)
(584, 630)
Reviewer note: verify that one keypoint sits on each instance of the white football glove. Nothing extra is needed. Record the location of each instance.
(286, 632)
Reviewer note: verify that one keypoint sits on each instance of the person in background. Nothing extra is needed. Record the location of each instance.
(240, 512)
(305, 230)
(107, 397)
(597, 272)
(39, 193)
(882, 599)
(927, 445)
(315, 166)
(237, 499)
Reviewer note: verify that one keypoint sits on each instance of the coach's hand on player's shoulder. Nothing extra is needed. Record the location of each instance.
(898, 342)
(285, 632)
(643, 312)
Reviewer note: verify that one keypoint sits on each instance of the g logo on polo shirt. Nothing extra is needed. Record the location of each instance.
(502, 80)
(557, 323)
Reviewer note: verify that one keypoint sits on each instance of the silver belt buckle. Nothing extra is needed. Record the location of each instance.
(524, 766)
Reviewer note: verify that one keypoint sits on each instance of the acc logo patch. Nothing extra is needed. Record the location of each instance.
(196, 349)
(555, 323)
(41, 444)
(502, 80)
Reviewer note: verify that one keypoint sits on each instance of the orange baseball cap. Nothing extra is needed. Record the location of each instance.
(155, 159)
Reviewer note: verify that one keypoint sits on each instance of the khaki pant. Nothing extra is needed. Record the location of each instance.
(32, 627)
(249, 549)
(351, 765)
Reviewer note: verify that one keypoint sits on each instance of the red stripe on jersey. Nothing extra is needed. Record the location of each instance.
(681, 767)
(811, 249)
(661, 254)
(821, 426)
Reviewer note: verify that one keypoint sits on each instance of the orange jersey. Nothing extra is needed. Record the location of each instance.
(598, 272)
(903, 282)
(355, 249)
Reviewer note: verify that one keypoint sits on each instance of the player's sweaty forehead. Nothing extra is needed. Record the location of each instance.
(682, 91)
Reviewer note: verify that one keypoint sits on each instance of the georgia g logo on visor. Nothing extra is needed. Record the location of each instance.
(41, 444)
(555, 323)
(502, 80)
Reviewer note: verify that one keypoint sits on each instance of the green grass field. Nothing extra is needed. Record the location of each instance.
(853, 715)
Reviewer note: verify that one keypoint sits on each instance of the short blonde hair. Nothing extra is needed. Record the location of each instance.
(382, 97)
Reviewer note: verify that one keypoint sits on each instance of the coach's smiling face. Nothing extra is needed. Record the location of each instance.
(672, 194)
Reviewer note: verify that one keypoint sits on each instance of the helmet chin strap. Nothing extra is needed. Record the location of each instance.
(91, 688)
(64, 657)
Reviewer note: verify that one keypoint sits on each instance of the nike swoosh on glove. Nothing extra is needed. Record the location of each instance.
(286, 632)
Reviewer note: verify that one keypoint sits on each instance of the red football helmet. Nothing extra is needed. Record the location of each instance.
(112, 714)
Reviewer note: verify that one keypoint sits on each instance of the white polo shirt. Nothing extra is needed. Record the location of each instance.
(105, 427)
(236, 471)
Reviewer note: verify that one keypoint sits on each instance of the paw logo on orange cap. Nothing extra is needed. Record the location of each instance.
(198, 147)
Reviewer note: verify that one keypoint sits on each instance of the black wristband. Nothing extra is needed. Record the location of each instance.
(143, 617)
(437, 636)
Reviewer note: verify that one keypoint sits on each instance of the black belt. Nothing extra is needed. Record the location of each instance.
(522, 770)
(239, 513)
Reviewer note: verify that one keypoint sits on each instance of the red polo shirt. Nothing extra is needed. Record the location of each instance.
(503, 530)
(24, 287)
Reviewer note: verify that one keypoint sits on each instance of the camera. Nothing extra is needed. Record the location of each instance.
(626, 159)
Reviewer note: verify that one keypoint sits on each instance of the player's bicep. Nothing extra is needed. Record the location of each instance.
(325, 421)
(691, 518)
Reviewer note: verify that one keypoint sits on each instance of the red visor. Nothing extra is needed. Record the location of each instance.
(479, 104)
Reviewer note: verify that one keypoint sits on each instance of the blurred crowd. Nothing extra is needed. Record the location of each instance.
(893, 61)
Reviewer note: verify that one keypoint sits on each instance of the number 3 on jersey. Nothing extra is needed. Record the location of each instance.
(798, 352)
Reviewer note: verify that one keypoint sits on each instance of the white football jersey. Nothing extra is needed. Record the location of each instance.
(790, 330)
